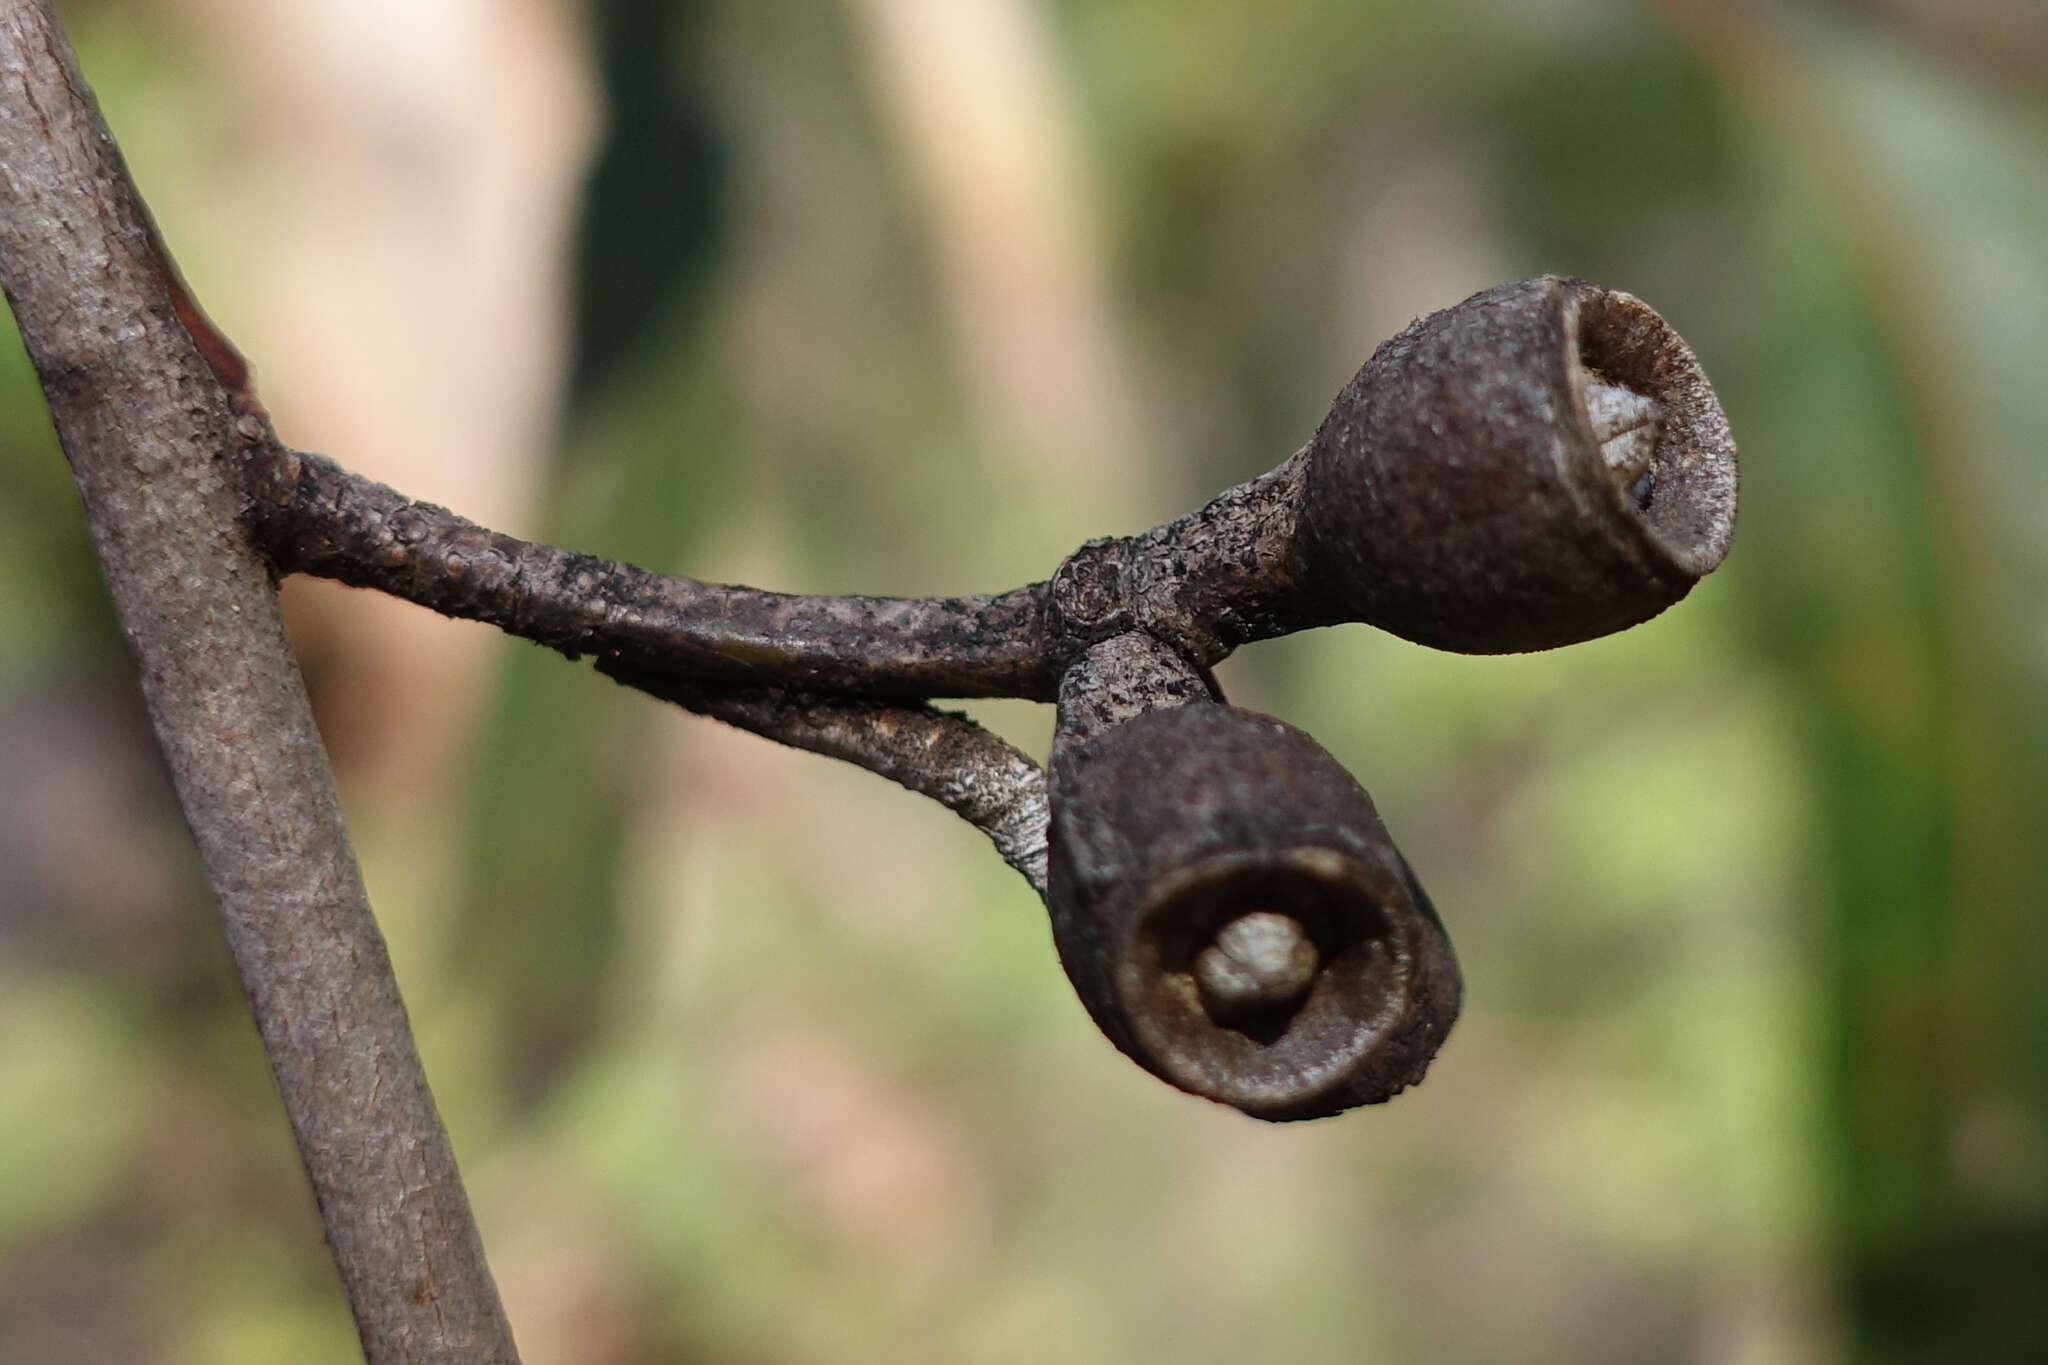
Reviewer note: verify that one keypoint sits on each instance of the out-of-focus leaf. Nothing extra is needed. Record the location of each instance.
(648, 233)
(1883, 400)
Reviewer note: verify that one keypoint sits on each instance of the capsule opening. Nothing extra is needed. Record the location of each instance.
(1193, 934)
(1291, 1057)
(1684, 494)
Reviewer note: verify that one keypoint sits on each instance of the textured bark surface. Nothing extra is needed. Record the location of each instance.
(1230, 572)
(1118, 680)
(314, 517)
(148, 427)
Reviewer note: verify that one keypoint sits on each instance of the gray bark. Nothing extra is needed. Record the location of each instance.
(151, 427)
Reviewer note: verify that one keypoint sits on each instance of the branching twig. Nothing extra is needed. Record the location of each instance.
(314, 517)
(145, 419)
(1223, 575)
(1541, 464)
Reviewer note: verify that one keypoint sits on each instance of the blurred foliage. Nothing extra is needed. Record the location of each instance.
(647, 236)
(752, 1058)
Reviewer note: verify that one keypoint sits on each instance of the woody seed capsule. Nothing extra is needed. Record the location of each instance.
(1541, 464)
(1234, 916)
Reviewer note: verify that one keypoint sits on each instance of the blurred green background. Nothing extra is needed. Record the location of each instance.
(753, 1058)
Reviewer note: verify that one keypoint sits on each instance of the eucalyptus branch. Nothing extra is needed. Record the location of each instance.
(311, 516)
(699, 645)
(1215, 579)
(1541, 464)
(145, 409)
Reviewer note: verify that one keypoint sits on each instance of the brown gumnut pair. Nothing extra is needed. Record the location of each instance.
(1542, 464)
